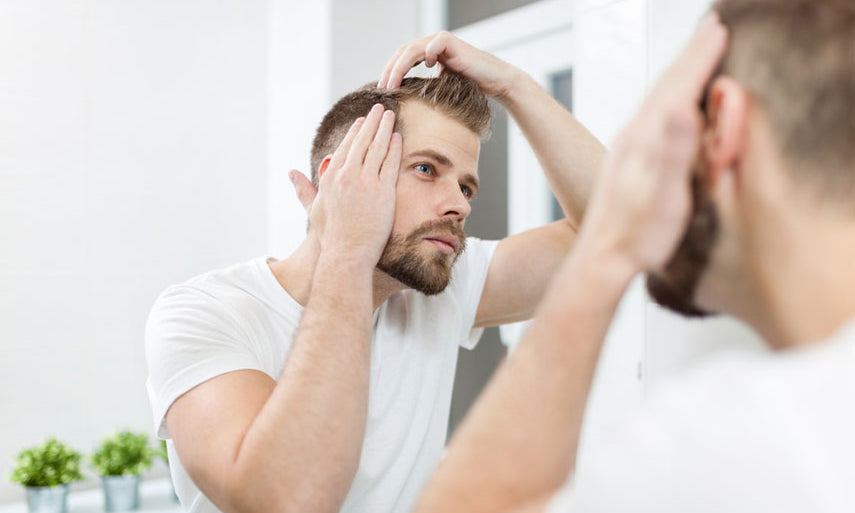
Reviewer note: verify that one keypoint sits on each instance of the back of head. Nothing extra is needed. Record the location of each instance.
(796, 58)
(457, 97)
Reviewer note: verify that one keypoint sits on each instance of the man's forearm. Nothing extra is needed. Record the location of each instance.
(569, 154)
(520, 440)
(302, 451)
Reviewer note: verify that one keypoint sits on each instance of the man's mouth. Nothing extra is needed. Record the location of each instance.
(446, 243)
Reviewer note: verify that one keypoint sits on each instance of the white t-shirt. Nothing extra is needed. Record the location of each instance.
(775, 433)
(242, 318)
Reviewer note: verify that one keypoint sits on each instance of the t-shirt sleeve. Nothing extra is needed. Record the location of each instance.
(190, 338)
(467, 283)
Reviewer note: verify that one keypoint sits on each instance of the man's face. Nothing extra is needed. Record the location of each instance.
(438, 178)
(676, 287)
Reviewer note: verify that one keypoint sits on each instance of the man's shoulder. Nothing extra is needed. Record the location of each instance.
(226, 291)
(757, 396)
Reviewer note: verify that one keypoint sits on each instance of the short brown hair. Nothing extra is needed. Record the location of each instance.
(456, 96)
(797, 60)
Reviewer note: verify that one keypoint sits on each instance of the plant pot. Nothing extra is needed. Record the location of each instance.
(121, 493)
(47, 499)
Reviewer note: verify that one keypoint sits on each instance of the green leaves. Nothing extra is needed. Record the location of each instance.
(125, 454)
(50, 464)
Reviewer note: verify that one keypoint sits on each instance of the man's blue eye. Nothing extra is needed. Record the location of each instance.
(424, 168)
(466, 191)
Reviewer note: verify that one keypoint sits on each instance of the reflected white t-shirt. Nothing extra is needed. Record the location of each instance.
(775, 433)
(241, 318)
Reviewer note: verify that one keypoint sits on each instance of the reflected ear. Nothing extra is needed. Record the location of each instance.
(322, 168)
(726, 131)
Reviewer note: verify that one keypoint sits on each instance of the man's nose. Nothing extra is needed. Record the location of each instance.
(455, 204)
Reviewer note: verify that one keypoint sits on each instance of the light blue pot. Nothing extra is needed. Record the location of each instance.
(47, 499)
(121, 493)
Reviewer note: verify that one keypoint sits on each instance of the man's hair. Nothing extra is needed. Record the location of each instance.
(455, 96)
(797, 60)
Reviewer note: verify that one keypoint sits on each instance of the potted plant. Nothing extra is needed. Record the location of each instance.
(119, 461)
(46, 472)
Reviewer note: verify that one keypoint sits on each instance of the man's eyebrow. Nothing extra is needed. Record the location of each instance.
(439, 157)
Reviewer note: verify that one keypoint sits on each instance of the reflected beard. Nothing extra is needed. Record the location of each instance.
(676, 286)
(403, 261)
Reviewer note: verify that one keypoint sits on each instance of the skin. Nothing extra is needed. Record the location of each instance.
(272, 452)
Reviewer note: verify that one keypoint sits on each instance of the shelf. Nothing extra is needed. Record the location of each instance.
(155, 497)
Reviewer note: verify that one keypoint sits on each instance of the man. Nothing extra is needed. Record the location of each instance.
(746, 210)
(321, 382)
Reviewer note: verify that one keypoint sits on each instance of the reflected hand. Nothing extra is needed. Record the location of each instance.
(354, 208)
(493, 75)
(641, 203)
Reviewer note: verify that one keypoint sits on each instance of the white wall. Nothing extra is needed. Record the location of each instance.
(319, 51)
(141, 143)
(609, 85)
(132, 156)
(365, 35)
(299, 63)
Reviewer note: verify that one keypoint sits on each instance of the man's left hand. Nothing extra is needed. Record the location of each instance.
(493, 75)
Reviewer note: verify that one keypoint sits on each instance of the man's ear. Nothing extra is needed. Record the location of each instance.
(727, 127)
(322, 168)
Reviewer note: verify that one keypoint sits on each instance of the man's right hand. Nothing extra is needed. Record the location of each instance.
(355, 206)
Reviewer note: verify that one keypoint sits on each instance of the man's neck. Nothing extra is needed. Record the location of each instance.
(296, 272)
(805, 277)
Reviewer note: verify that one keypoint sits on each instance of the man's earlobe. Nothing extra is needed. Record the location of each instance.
(726, 131)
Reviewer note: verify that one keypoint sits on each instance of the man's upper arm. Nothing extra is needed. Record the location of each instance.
(520, 271)
(205, 383)
(208, 424)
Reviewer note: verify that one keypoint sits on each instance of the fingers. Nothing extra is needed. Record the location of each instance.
(680, 141)
(380, 145)
(343, 149)
(359, 147)
(409, 58)
(427, 49)
(404, 58)
(691, 71)
(436, 47)
(392, 163)
(387, 69)
(306, 192)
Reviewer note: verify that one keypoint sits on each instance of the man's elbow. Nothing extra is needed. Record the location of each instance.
(252, 491)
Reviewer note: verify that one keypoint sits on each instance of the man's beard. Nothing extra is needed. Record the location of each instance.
(402, 259)
(676, 286)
